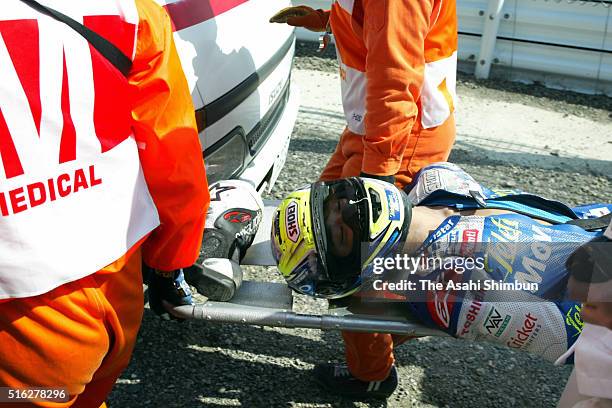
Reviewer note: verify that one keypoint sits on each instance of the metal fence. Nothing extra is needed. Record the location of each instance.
(562, 43)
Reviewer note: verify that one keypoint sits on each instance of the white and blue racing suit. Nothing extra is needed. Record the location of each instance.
(513, 247)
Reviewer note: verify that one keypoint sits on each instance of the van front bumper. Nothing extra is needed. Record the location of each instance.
(264, 169)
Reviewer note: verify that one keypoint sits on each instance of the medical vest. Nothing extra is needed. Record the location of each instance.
(73, 197)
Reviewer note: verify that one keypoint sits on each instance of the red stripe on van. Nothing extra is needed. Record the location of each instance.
(187, 13)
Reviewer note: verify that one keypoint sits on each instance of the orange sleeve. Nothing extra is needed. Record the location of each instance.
(170, 151)
(394, 34)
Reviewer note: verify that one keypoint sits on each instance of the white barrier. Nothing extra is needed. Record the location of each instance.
(563, 44)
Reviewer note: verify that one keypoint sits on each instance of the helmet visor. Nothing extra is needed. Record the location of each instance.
(339, 218)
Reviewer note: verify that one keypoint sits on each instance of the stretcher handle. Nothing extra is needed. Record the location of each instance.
(223, 312)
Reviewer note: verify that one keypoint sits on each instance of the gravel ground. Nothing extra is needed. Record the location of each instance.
(195, 363)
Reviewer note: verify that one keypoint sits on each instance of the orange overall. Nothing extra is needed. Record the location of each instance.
(397, 66)
(80, 335)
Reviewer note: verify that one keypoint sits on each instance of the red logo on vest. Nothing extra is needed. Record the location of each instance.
(60, 102)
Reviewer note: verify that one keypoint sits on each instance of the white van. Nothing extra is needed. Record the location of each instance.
(239, 68)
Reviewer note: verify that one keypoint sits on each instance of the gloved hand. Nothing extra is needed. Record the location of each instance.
(303, 16)
(388, 179)
(233, 217)
(168, 287)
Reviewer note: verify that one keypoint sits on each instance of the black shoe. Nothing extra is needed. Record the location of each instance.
(337, 379)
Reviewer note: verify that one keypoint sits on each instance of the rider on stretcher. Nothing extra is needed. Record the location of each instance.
(331, 240)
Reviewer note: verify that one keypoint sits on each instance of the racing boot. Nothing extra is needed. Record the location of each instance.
(232, 220)
(337, 379)
(216, 278)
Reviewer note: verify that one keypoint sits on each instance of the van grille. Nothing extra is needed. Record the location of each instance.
(264, 128)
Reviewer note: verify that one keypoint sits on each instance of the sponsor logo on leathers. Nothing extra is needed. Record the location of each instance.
(442, 302)
(524, 336)
(237, 217)
(472, 314)
(494, 322)
(216, 191)
(432, 181)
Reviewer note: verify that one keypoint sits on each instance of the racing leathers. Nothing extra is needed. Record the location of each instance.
(512, 248)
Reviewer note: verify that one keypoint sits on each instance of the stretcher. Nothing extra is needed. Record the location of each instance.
(271, 304)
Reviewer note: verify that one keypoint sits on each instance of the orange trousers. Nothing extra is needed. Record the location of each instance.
(369, 356)
(79, 336)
